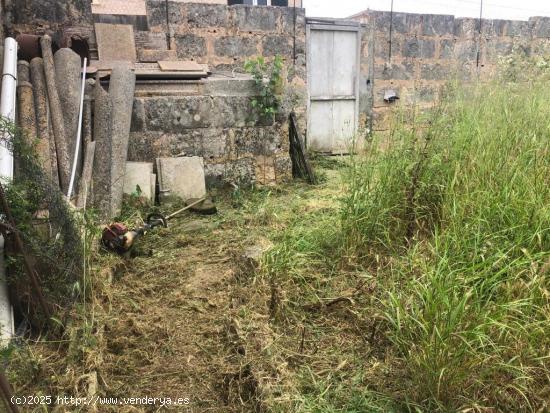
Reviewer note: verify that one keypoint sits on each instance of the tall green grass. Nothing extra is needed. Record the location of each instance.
(458, 205)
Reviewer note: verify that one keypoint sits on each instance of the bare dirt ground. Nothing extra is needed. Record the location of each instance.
(191, 316)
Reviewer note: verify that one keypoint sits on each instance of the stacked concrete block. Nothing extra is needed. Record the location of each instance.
(429, 50)
(215, 119)
(217, 122)
(224, 37)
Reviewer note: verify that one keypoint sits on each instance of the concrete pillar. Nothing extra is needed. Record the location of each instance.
(56, 111)
(26, 116)
(23, 71)
(46, 154)
(121, 91)
(86, 178)
(84, 186)
(25, 111)
(68, 77)
(101, 171)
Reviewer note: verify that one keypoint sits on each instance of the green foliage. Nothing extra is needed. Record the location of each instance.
(521, 65)
(450, 214)
(461, 208)
(49, 229)
(268, 79)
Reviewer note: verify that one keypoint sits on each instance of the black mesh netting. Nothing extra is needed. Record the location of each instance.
(49, 230)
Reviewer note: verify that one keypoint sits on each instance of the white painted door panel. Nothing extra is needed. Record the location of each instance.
(332, 68)
(344, 61)
(321, 123)
(343, 124)
(320, 66)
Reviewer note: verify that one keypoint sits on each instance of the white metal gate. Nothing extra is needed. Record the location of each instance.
(333, 83)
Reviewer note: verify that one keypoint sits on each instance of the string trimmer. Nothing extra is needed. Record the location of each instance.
(118, 238)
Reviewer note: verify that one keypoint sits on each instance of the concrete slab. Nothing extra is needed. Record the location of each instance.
(139, 174)
(115, 42)
(120, 7)
(182, 66)
(181, 177)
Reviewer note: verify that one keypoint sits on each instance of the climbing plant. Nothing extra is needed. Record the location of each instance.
(268, 79)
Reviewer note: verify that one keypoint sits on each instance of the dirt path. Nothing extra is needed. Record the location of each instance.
(192, 316)
(167, 335)
(189, 317)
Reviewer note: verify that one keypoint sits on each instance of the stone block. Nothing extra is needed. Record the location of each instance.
(236, 46)
(121, 92)
(382, 45)
(207, 15)
(300, 47)
(189, 46)
(213, 143)
(437, 25)
(138, 116)
(495, 27)
(414, 24)
(398, 21)
(434, 72)
(232, 111)
(466, 27)
(214, 174)
(277, 45)
(283, 168)
(240, 171)
(541, 26)
(229, 86)
(292, 17)
(395, 71)
(426, 93)
(418, 48)
(138, 174)
(181, 177)
(265, 170)
(154, 41)
(517, 28)
(151, 56)
(156, 14)
(503, 48)
(466, 50)
(173, 114)
(446, 49)
(176, 12)
(251, 18)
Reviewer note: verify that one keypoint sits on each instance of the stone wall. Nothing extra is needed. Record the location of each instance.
(428, 50)
(50, 13)
(224, 37)
(213, 119)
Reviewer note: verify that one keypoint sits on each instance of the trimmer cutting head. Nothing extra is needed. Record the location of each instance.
(206, 207)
